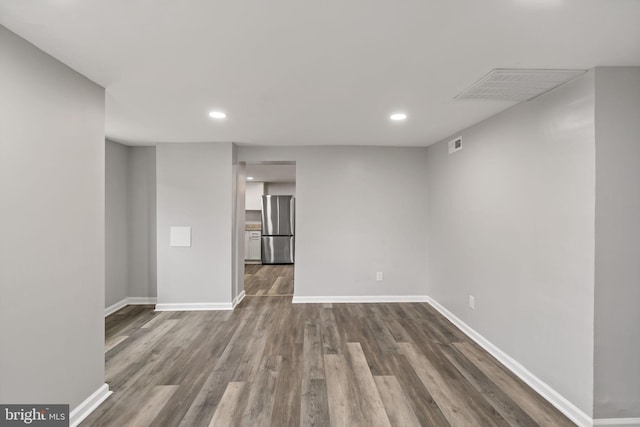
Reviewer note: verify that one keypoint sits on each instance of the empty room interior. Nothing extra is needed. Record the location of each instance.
(412, 213)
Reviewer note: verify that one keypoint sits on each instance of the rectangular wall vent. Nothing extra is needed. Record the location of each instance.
(455, 145)
(517, 85)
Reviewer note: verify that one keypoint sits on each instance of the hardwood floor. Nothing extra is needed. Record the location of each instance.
(270, 280)
(273, 363)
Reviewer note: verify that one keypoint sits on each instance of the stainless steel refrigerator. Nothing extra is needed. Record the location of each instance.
(278, 229)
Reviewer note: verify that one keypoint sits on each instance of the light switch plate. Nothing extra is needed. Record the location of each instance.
(180, 236)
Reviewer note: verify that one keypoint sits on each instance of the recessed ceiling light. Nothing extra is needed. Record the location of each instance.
(398, 116)
(217, 115)
(250, 178)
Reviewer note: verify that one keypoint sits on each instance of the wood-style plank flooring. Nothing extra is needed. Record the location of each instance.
(269, 280)
(273, 363)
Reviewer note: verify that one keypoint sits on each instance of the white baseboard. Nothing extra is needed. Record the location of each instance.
(359, 299)
(141, 300)
(194, 306)
(129, 301)
(115, 307)
(85, 408)
(238, 299)
(572, 412)
(617, 422)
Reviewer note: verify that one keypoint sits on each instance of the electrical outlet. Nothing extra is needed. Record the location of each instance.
(379, 276)
(472, 302)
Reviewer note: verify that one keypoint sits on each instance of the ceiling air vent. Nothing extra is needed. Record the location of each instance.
(517, 85)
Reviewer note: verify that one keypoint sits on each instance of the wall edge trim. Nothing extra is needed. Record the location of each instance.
(115, 307)
(358, 299)
(194, 306)
(129, 301)
(561, 403)
(141, 300)
(616, 422)
(238, 299)
(89, 405)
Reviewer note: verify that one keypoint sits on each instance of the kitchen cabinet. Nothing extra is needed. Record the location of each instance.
(253, 196)
(252, 245)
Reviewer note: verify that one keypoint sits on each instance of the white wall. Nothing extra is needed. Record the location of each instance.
(52, 250)
(194, 188)
(116, 222)
(511, 221)
(253, 196)
(359, 210)
(617, 270)
(141, 196)
(280, 188)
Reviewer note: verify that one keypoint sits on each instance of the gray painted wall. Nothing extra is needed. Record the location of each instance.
(239, 176)
(617, 269)
(359, 210)
(142, 222)
(194, 188)
(52, 251)
(130, 222)
(253, 216)
(511, 222)
(280, 188)
(116, 222)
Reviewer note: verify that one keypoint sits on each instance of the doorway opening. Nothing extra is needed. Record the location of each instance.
(269, 255)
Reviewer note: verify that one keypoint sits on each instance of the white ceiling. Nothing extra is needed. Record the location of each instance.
(314, 72)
